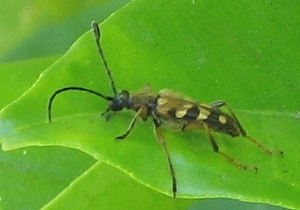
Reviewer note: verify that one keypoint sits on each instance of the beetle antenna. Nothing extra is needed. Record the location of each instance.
(97, 35)
(108, 98)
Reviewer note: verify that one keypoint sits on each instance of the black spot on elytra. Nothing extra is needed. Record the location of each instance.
(171, 112)
(192, 113)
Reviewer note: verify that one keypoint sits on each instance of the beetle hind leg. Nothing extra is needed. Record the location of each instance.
(265, 149)
(227, 157)
(219, 104)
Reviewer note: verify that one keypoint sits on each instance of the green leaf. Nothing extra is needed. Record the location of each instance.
(31, 173)
(31, 177)
(115, 190)
(43, 28)
(23, 74)
(240, 53)
(119, 191)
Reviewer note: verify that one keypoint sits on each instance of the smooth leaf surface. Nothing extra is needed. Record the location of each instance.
(206, 50)
(115, 190)
(22, 75)
(118, 191)
(31, 177)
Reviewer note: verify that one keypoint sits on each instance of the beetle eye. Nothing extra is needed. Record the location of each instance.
(120, 101)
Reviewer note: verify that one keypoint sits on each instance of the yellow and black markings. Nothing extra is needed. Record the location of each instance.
(168, 108)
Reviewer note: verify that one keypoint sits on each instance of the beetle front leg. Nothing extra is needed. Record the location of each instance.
(132, 124)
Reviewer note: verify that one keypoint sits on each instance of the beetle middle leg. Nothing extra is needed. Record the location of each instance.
(227, 157)
(161, 139)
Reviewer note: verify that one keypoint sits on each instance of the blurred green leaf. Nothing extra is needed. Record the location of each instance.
(42, 28)
(206, 50)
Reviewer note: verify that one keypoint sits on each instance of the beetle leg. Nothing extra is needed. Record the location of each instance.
(131, 126)
(161, 139)
(219, 104)
(259, 145)
(107, 115)
(227, 157)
